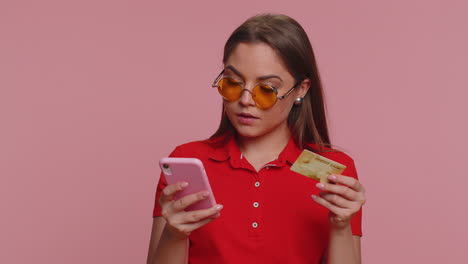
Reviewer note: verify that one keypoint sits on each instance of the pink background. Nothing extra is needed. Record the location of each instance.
(93, 93)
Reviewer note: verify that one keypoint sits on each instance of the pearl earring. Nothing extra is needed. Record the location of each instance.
(298, 101)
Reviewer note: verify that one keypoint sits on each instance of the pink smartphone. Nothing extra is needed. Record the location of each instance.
(192, 171)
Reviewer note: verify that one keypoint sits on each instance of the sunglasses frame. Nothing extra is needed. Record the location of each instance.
(216, 81)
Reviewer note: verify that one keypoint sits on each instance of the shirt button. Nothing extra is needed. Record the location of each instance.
(257, 184)
(256, 204)
(254, 224)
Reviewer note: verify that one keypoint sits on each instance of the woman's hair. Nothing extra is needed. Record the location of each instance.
(307, 122)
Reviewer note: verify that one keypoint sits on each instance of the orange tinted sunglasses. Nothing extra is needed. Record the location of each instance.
(264, 95)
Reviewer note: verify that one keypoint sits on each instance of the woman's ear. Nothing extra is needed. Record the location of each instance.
(303, 87)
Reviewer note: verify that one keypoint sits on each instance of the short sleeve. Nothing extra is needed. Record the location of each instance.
(356, 222)
(162, 183)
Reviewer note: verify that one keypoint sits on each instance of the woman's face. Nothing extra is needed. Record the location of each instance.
(247, 64)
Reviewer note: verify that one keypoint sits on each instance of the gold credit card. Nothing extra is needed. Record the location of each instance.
(316, 167)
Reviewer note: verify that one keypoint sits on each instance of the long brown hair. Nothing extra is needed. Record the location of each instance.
(286, 36)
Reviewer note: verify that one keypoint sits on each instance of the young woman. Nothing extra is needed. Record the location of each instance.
(273, 108)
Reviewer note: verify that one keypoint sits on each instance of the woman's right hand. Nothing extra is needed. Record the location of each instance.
(179, 222)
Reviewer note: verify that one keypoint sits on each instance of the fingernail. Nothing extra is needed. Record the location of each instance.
(184, 184)
(320, 186)
(219, 207)
(205, 194)
(314, 196)
(332, 177)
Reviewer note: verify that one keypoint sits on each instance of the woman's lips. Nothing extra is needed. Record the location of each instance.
(246, 119)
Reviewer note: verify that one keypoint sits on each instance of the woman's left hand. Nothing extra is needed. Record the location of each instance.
(343, 199)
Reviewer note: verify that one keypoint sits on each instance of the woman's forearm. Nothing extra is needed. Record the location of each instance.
(171, 250)
(341, 248)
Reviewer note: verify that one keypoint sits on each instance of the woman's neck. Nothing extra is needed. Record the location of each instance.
(267, 146)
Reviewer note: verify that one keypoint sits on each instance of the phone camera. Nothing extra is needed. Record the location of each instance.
(167, 169)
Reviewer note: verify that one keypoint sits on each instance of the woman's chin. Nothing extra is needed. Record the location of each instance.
(248, 132)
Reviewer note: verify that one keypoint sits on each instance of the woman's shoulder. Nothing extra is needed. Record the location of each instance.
(197, 148)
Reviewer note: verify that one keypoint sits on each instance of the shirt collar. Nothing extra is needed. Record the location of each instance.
(226, 148)
(290, 153)
(230, 150)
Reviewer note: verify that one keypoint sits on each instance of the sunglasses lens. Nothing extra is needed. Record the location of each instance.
(264, 96)
(229, 89)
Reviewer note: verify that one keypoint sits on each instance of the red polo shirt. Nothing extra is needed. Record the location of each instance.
(268, 216)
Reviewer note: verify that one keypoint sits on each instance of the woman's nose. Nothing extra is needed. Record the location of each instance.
(246, 98)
